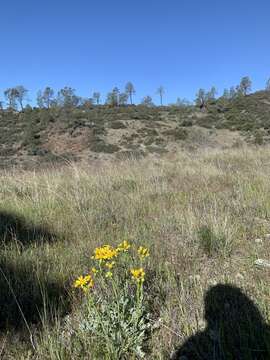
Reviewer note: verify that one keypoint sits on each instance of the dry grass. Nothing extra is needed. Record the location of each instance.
(165, 204)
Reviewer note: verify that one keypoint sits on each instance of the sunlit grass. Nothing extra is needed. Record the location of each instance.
(198, 213)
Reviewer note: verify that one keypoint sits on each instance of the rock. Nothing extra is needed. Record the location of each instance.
(201, 323)
(267, 236)
(258, 241)
(262, 263)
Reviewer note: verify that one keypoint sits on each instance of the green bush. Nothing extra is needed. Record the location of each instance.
(177, 133)
(118, 125)
(258, 137)
(100, 146)
(211, 242)
(187, 123)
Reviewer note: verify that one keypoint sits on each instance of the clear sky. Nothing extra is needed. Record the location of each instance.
(96, 45)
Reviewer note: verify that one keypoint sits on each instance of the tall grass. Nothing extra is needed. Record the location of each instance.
(198, 213)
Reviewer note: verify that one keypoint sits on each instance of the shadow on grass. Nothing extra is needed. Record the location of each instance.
(24, 293)
(25, 297)
(235, 329)
(14, 227)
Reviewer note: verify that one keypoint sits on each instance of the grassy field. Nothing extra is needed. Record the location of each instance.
(205, 218)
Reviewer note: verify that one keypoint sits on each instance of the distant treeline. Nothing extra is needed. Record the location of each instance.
(17, 97)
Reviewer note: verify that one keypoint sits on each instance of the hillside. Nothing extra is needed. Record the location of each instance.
(36, 137)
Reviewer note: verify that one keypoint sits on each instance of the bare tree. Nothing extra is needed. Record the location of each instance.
(245, 85)
(201, 98)
(67, 97)
(211, 95)
(267, 87)
(226, 94)
(233, 92)
(161, 92)
(48, 96)
(123, 98)
(147, 101)
(96, 97)
(40, 103)
(130, 90)
(113, 97)
(45, 98)
(21, 93)
(11, 98)
(183, 103)
(87, 103)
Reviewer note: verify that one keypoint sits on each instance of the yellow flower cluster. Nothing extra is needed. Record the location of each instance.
(138, 275)
(84, 282)
(104, 252)
(143, 252)
(105, 255)
(124, 246)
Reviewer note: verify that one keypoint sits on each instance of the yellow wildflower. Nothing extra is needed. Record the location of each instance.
(138, 274)
(124, 246)
(108, 274)
(84, 282)
(80, 282)
(110, 265)
(143, 252)
(94, 270)
(104, 252)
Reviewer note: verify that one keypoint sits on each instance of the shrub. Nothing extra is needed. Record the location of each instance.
(211, 242)
(118, 125)
(100, 146)
(258, 137)
(187, 123)
(177, 133)
(157, 149)
(99, 130)
(125, 184)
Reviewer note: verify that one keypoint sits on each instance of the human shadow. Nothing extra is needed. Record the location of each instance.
(235, 329)
(26, 295)
(15, 228)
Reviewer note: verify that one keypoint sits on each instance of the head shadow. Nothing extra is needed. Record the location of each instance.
(15, 228)
(27, 298)
(235, 329)
(25, 294)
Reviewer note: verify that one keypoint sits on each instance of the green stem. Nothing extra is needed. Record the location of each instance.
(92, 304)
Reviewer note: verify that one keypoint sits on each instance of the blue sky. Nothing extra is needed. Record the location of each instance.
(96, 45)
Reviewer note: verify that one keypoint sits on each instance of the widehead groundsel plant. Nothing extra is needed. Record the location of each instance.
(84, 282)
(115, 313)
(138, 275)
(143, 252)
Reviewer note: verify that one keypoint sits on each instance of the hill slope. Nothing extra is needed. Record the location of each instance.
(41, 136)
